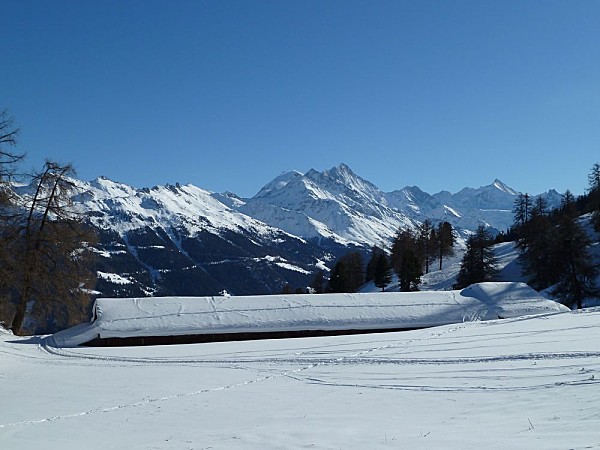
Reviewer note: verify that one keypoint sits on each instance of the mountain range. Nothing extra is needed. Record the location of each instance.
(183, 240)
(340, 205)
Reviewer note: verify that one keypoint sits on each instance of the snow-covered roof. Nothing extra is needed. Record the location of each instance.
(179, 316)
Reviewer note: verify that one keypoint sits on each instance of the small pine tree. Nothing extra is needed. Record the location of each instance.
(354, 271)
(594, 195)
(407, 259)
(426, 239)
(337, 279)
(522, 210)
(479, 261)
(409, 272)
(445, 241)
(287, 289)
(318, 282)
(383, 272)
(370, 273)
(347, 274)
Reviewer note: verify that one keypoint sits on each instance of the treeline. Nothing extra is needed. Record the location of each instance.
(555, 247)
(413, 253)
(554, 251)
(44, 245)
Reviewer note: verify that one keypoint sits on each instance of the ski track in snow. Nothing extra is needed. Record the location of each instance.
(538, 358)
(147, 401)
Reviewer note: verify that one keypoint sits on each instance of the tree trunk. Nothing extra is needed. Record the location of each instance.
(21, 308)
(17, 321)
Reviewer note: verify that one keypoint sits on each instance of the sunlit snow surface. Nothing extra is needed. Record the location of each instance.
(516, 383)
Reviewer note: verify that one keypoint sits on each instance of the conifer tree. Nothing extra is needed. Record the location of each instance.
(479, 261)
(407, 260)
(383, 272)
(522, 210)
(535, 246)
(375, 252)
(445, 241)
(426, 241)
(318, 282)
(570, 250)
(287, 289)
(355, 271)
(347, 274)
(337, 278)
(594, 195)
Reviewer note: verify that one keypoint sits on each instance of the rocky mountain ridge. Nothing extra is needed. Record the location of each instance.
(340, 205)
(183, 240)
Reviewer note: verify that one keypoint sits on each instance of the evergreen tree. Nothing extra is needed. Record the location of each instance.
(347, 274)
(594, 195)
(445, 241)
(426, 241)
(479, 261)
(354, 271)
(570, 250)
(522, 210)
(337, 280)
(568, 205)
(287, 289)
(409, 272)
(318, 282)
(371, 265)
(535, 246)
(594, 178)
(406, 260)
(383, 272)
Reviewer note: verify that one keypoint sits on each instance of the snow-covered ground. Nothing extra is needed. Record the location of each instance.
(517, 383)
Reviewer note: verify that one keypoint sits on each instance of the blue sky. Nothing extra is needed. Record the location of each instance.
(228, 94)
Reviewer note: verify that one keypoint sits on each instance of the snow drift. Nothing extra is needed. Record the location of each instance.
(179, 316)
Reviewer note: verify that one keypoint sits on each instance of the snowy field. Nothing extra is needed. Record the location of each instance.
(529, 383)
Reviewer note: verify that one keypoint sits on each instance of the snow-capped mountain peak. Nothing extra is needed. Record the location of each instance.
(503, 187)
(339, 204)
(342, 175)
(334, 204)
(168, 237)
(278, 183)
(182, 240)
(123, 208)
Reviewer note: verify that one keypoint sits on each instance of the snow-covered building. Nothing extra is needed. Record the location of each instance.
(164, 320)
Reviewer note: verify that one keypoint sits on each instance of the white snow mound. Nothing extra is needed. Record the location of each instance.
(173, 316)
